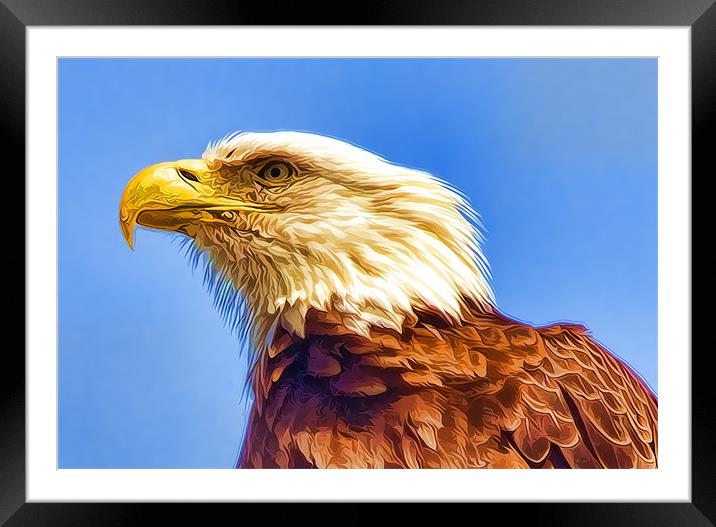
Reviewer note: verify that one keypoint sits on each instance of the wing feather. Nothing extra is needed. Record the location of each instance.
(577, 405)
(610, 412)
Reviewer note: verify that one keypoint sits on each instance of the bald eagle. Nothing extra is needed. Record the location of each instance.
(376, 341)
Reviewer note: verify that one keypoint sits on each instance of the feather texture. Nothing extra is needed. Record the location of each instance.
(490, 393)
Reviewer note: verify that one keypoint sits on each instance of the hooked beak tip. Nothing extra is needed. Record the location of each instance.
(128, 231)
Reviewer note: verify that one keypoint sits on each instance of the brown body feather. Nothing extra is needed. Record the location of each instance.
(489, 393)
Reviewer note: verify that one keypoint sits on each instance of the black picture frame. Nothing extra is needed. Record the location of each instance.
(16, 15)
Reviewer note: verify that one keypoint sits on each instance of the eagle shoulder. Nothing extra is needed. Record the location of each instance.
(556, 397)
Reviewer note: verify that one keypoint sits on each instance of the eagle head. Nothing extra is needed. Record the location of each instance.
(296, 221)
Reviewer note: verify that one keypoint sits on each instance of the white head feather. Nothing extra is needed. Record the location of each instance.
(356, 234)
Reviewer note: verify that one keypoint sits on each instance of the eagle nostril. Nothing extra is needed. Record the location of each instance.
(187, 175)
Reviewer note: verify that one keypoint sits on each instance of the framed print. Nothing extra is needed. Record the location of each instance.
(455, 238)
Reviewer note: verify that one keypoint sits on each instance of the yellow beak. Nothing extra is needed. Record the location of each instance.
(160, 198)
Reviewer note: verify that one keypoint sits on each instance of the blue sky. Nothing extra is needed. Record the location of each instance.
(558, 156)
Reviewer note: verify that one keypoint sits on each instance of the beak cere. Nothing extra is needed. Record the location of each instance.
(160, 198)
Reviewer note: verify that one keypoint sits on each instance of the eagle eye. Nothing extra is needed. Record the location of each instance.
(276, 172)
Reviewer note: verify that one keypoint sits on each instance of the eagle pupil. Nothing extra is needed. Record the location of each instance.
(275, 172)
